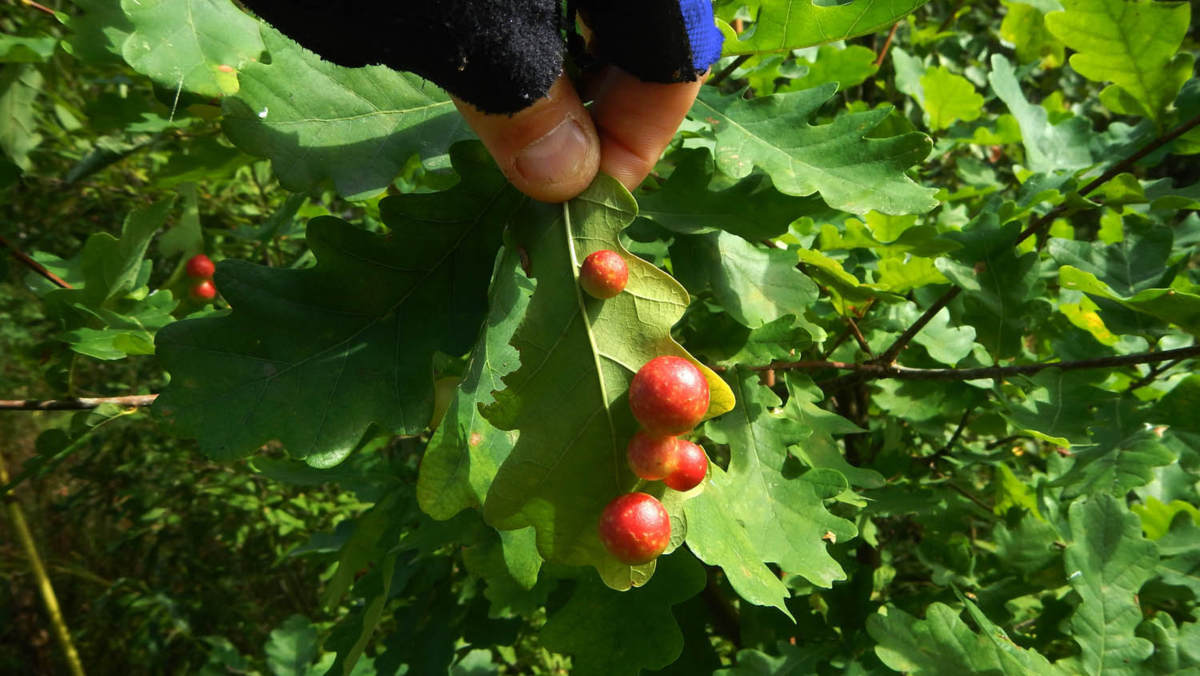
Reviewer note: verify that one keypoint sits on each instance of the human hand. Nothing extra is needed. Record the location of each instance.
(552, 150)
(502, 62)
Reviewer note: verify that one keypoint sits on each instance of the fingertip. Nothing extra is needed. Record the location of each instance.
(636, 121)
(549, 151)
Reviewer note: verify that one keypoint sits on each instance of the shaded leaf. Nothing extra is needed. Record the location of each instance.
(465, 452)
(609, 633)
(751, 209)
(753, 284)
(356, 126)
(20, 85)
(1124, 457)
(312, 357)
(998, 282)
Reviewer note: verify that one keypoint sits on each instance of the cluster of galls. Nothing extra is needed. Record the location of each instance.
(668, 397)
(200, 268)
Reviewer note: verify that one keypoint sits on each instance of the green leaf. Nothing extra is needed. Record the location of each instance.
(353, 632)
(292, 647)
(784, 25)
(751, 209)
(617, 634)
(1024, 26)
(948, 98)
(820, 449)
(1048, 148)
(794, 660)
(1157, 517)
(785, 517)
(1131, 43)
(852, 173)
(1136, 263)
(508, 561)
(315, 120)
(846, 291)
(20, 85)
(191, 45)
(717, 538)
(465, 452)
(1125, 456)
(312, 357)
(1176, 649)
(1107, 562)
(15, 49)
(942, 644)
(1180, 550)
(727, 342)
(944, 343)
(1057, 408)
(568, 398)
(111, 266)
(1177, 307)
(756, 286)
(849, 67)
(997, 282)
(99, 34)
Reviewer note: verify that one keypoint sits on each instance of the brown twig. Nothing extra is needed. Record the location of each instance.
(876, 371)
(1112, 172)
(911, 332)
(887, 45)
(963, 492)
(950, 19)
(83, 403)
(737, 63)
(1036, 226)
(858, 336)
(1155, 372)
(33, 265)
(1000, 442)
(38, 6)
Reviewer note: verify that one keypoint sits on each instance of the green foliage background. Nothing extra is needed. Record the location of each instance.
(928, 256)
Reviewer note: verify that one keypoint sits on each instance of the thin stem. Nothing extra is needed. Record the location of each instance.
(875, 371)
(1112, 172)
(887, 44)
(737, 63)
(33, 265)
(1037, 226)
(38, 6)
(80, 404)
(1154, 373)
(21, 527)
(858, 336)
(963, 492)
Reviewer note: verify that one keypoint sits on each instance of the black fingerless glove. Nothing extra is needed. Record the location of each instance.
(499, 55)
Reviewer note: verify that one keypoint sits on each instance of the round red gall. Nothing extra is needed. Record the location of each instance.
(203, 292)
(200, 267)
(650, 457)
(635, 528)
(604, 274)
(668, 396)
(691, 466)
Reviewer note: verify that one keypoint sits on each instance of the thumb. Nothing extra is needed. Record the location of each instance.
(549, 150)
